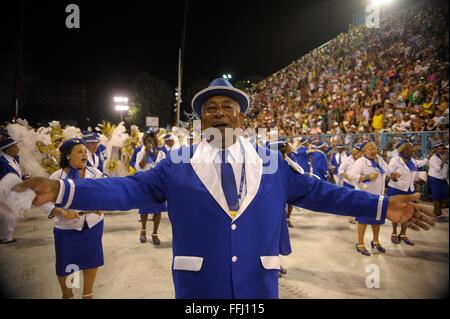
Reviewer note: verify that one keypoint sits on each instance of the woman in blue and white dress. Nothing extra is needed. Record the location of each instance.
(147, 158)
(438, 179)
(78, 235)
(407, 167)
(370, 171)
(344, 170)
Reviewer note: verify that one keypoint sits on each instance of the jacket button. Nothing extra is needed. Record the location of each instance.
(233, 227)
(234, 259)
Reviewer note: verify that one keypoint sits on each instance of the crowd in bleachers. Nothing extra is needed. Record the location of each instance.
(388, 79)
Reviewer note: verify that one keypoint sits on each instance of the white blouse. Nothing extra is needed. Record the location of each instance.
(407, 177)
(140, 155)
(91, 219)
(438, 168)
(363, 166)
(345, 168)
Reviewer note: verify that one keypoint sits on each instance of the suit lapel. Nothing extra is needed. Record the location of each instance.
(203, 164)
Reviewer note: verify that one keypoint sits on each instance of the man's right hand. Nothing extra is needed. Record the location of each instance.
(46, 189)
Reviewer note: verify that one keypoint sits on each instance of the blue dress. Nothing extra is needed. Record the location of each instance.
(78, 249)
(391, 191)
(439, 188)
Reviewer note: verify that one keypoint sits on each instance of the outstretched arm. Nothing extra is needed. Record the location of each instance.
(117, 193)
(320, 196)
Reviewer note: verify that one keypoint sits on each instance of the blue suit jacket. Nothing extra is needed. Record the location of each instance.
(5, 168)
(335, 163)
(133, 156)
(102, 154)
(213, 258)
(301, 158)
(319, 165)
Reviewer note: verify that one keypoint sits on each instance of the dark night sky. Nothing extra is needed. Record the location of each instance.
(118, 40)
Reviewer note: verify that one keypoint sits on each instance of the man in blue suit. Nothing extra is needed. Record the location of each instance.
(226, 202)
(301, 154)
(318, 163)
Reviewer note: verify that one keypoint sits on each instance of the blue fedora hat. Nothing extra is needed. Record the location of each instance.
(217, 87)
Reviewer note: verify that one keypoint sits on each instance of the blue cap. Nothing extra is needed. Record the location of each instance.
(4, 131)
(71, 142)
(437, 144)
(6, 141)
(218, 87)
(151, 130)
(319, 144)
(400, 143)
(363, 144)
(358, 146)
(275, 145)
(303, 140)
(169, 137)
(90, 137)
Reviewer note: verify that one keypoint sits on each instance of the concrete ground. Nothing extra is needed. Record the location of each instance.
(324, 262)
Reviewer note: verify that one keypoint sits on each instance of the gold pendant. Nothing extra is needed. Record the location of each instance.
(233, 213)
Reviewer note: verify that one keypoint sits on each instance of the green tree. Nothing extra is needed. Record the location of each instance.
(151, 97)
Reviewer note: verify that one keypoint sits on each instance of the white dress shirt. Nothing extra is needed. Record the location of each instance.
(93, 159)
(235, 157)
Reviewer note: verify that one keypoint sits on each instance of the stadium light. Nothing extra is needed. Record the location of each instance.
(379, 3)
(227, 76)
(122, 105)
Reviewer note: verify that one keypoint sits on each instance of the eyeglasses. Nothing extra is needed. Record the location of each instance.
(212, 109)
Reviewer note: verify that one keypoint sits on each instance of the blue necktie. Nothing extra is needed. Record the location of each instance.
(376, 165)
(229, 185)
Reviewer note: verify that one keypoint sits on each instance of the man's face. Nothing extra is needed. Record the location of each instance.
(221, 112)
(13, 150)
(149, 142)
(92, 146)
(170, 143)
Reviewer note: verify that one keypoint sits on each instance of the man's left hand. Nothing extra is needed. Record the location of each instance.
(402, 210)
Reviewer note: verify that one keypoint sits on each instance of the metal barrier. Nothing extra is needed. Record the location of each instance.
(423, 142)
